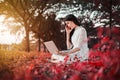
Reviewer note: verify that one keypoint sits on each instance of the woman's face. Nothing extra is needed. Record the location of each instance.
(69, 24)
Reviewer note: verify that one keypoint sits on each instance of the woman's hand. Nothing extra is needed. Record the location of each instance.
(62, 53)
(68, 29)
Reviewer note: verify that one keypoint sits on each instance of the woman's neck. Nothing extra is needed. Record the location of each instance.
(75, 26)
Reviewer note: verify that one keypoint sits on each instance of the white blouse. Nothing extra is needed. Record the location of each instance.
(79, 40)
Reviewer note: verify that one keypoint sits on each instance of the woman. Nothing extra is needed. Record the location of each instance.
(76, 41)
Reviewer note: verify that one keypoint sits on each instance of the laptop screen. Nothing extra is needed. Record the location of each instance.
(51, 47)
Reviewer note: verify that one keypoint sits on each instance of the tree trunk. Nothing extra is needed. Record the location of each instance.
(110, 18)
(39, 44)
(27, 39)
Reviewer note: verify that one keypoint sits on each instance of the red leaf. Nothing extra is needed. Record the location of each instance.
(66, 59)
(75, 77)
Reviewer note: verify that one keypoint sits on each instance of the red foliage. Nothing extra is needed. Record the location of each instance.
(103, 63)
(75, 77)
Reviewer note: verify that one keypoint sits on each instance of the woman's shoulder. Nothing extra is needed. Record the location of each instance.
(79, 28)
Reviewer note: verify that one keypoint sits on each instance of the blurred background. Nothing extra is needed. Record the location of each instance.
(26, 24)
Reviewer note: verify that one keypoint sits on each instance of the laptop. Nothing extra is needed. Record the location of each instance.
(51, 47)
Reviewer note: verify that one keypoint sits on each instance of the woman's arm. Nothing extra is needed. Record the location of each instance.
(73, 50)
(68, 43)
(68, 52)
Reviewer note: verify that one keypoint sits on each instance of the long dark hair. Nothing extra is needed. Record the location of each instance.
(72, 18)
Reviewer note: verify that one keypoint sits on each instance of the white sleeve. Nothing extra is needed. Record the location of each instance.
(81, 36)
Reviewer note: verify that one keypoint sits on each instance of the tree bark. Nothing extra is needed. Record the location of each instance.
(27, 39)
(39, 44)
(110, 18)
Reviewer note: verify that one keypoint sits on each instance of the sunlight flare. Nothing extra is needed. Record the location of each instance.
(5, 34)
